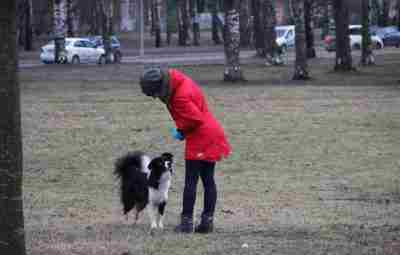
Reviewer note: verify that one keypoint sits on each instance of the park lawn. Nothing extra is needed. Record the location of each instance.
(314, 170)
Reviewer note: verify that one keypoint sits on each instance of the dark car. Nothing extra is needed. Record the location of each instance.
(390, 35)
(115, 46)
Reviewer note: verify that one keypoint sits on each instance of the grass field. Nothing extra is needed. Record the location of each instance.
(315, 167)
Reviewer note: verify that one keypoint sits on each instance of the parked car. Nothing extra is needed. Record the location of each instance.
(390, 35)
(355, 39)
(115, 46)
(78, 50)
(285, 36)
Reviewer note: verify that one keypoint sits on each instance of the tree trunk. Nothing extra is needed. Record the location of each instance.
(272, 52)
(367, 57)
(70, 19)
(28, 26)
(183, 25)
(59, 31)
(156, 22)
(216, 23)
(344, 61)
(398, 14)
(232, 72)
(194, 14)
(385, 13)
(259, 39)
(106, 10)
(245, 29)
(171, 19)
(300, 67)
(309, 29)
(12, 234)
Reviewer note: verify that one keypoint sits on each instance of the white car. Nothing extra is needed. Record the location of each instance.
(78, 50)
(356, 38)
(285, 36)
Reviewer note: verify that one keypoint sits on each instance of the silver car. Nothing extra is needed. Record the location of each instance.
(78, 50)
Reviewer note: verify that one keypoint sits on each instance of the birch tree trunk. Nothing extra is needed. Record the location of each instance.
(344, 61)
(60, 13)
(12, 233)
(309, 29)
(244, 21)
(194, 14)
(300, 67)
(367, 57)
(272, 52)
(232, 72)
(259, 41)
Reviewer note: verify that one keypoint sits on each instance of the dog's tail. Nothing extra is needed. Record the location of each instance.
(133, 181)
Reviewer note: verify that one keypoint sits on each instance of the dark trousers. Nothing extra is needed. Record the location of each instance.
(204, 169)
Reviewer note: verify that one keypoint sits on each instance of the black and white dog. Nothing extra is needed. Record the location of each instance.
(145, 182)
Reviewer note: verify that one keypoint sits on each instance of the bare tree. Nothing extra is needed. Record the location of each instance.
(216, 23)
(259, 38)
(12, 233)
(300, 67)
(344, 61)
(232, 72)
(245, 28)
(308, 6)
(367, 57)
(183, 22)
(59, 31)
(156, 21)
(194, 14)
(70, 19)
(398, 14)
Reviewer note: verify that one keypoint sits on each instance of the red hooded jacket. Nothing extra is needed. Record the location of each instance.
(205, 138)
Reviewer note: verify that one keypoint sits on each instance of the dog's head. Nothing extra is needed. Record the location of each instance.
(161, 169)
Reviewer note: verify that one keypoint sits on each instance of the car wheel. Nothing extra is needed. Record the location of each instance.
(284, 48)
(378, 46)
(75, 60)
(102, 60)
(117, 57)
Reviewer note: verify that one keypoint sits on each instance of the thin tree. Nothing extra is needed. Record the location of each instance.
(343, 60)
(156, 21)
(367, 57)
(216, 23)
(183, 22)
(300, 67)
(194, 14)
(308, 7)
(398, 14)
(233, 71)
(245, 28)
(258, 25)
(70, 19)
(60, 12)
(12, 233)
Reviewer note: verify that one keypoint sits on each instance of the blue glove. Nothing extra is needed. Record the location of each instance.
(178, 135)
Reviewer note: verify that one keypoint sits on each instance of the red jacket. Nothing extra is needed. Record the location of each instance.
(205, 138)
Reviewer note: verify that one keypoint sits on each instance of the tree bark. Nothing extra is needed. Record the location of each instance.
(59, 31)
(216, 23)
(309, 29)
(343, 61)
(245, 29)
(156, 22)
(367, 57)
(259, 38)
(272, 52)
(194, 14)
(232, 73)
(12, 233)
(70, 19)
(183, 22)
(28, 26)
(300, 67)
(398, 14)
(106, 8)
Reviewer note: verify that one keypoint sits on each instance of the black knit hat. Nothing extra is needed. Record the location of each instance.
(151, 81)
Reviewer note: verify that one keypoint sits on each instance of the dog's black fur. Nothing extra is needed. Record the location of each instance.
(136, 179)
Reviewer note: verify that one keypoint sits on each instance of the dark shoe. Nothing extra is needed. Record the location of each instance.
(206, 226)
(186, 226)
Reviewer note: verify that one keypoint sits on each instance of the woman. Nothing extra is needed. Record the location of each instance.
(206, 142)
